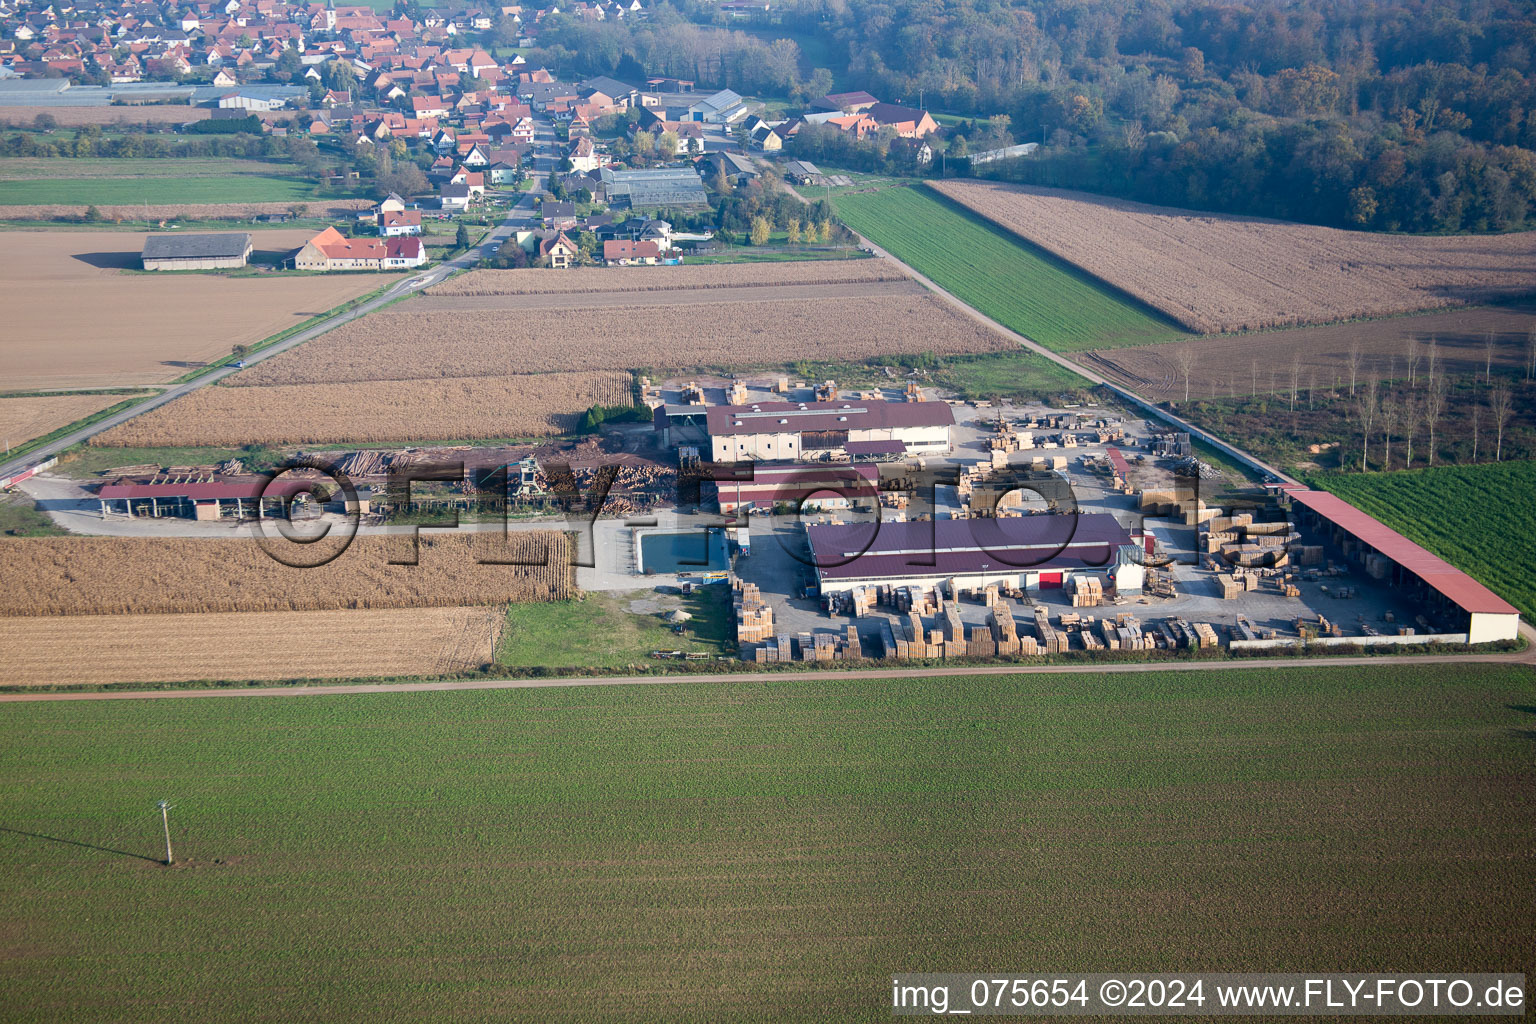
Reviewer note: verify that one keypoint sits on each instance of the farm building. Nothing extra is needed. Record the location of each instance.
(201, 499)
(331, 250)
(655, 188)
(219, 251)
(1030, 552)
(818, 488)
(785, 431)
(1388, 555)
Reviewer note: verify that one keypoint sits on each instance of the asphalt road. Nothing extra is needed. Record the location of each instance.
(520, 216)
(1525, 657)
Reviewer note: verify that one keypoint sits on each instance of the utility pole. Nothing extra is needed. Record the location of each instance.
(165, 819)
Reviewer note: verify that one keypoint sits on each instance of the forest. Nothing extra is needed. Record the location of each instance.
(1400, 115)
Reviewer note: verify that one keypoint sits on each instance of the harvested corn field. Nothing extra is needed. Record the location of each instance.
(22, 419)
(1215, 273)
(460, 408)
(425, 346)
(644, 279)
(144, 575)
(347, 644)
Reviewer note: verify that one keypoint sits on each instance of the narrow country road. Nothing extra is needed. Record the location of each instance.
(1526, 657)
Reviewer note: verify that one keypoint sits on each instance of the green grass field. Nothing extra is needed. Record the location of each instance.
(1479, 518)
(234, 188)
(601, 631)
(1016, 284)
(767, 850)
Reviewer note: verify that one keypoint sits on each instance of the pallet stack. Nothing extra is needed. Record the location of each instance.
(954, 629)
(1005, 634)
(1230, 587)
(1087, 591)
(1207, 635)
(981, 644)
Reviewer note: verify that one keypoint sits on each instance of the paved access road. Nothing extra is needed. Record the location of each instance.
(520, 216)
(1525, 657)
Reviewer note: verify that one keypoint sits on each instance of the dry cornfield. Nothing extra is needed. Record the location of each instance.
(23, 117)
(148, 575)
(460, 408)
(22, 419)
(344, 644)
(644, 279)
(424, 346)
(1215, 273)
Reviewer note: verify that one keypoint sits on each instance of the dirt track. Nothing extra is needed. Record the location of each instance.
(1525, 657)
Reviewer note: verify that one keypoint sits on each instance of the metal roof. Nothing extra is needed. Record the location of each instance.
(793, 483)
(795, 417)
(248, 489)
(1117, 461)
(1455, 585)
(171, 247)
(875, 447)
(957, 547)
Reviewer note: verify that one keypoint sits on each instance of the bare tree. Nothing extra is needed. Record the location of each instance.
(1391, 414)
(1366, 407)
(1413, 415)
(1411, 353)
(1312, 390)
(1352, 360)
(1434, 405)
(1295, 378)
(1431, 359)
(1253, 374)
(1530, 355)
(1477, 422)
(1490, 340)
(1500, 407)
(1185, 358)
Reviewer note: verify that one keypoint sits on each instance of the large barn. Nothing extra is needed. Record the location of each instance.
(1388, 555)
(221, 251)
(787, 431)
(1032, 552)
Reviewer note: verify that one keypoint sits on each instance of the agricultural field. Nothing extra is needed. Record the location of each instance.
(170, 186)
(154, 575)
(483, 855)
(1479, 518)
(1215, 273)
(642, 279)
(1261, 363)
(23, 117)
(76, 321)
(99, 650)
(23, 418)
(412, 345)
(453, 408)
(1024, 288)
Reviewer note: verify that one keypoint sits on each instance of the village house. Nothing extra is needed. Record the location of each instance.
(330, 250)
(560, 251)
(621, 253)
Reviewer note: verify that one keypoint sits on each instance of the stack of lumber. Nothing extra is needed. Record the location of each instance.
(1005, 634)
(1051, 641)
(981, 644)
(954, 629)
(1206, 635)
(754, 617)
(1230, 587)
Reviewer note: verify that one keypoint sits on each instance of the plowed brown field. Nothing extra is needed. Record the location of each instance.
(140, 575)
(1216, 273)
(456, 408)
(427, 345)
(74, 320)
(84, 650)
